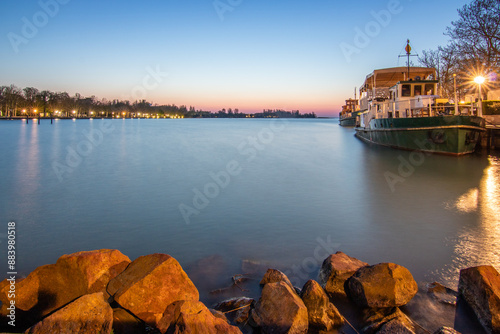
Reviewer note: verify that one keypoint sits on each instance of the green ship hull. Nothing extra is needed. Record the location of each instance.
(453, 135)
(348, 121)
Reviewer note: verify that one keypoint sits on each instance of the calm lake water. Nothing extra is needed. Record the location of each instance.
(284, 193)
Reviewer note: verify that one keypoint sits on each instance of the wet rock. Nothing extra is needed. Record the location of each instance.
(387, 320)
(382, 285)
(480, 288)
(126, 323)
(236, 309)
(446, 330)
(255, 268)
(192, 317)
(273, 276)
(280, 310)
(220, 315)
(88, 314)
(442, 294)
(396, 326)
(322, 314)
(150, 284)
(52, 286)
(335, 271)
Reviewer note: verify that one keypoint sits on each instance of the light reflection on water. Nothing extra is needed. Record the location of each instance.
(479, 245)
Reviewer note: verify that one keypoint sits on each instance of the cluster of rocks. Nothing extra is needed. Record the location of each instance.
(103, 292)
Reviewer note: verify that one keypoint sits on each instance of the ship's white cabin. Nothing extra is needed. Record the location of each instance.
(399, 93)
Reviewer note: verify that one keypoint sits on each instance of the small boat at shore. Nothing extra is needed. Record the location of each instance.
(399, 108)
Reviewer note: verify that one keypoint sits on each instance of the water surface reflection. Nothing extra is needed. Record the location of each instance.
(479, 245)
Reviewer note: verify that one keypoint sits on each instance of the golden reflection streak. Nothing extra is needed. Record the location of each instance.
(481, 245)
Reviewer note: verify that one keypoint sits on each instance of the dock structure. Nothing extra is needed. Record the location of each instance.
(491, 139)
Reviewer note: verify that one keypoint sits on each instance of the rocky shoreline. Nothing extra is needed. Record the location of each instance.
(103, 291)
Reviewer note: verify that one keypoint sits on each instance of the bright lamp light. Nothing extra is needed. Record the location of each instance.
(479, 80)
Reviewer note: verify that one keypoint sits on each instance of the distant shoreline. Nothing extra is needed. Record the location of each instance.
(14, 118)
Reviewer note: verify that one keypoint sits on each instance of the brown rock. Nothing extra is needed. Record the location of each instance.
(220, 315)
(446, 330)
(89, 314)
(480, 288)
(273, 276)
(238, 309)
(96, 268)
(382, 285)
(396, 326)
(192, 317)
(388, 320)
(335, 271)
(442, 294)
(126, 323)
(280, 310)
(322, 314)
(52, 286)
(150, 284)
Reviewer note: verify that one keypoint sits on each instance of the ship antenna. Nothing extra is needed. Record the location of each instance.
(408, 55)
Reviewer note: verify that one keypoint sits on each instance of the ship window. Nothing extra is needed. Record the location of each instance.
(406, 90)
(417, 90)
(429, 89)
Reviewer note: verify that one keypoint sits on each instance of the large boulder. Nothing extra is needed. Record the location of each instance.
(480, 288)
(280, 310)
(322, 314)
(192, 317)
(151, 283)
(236, 309)
(90, 314)
(382, 285)
(95, 268)
(273, 276)
(52, 286)
(335, 271)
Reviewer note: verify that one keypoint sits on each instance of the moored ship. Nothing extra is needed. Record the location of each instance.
(349, 113)
(400, 108)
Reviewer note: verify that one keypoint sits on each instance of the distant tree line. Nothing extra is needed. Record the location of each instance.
(473, 50)
(31, 102)
(283, 114)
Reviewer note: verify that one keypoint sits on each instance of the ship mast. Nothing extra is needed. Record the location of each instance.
(408, 55)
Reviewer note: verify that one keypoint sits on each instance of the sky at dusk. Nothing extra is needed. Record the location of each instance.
(246, 54)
